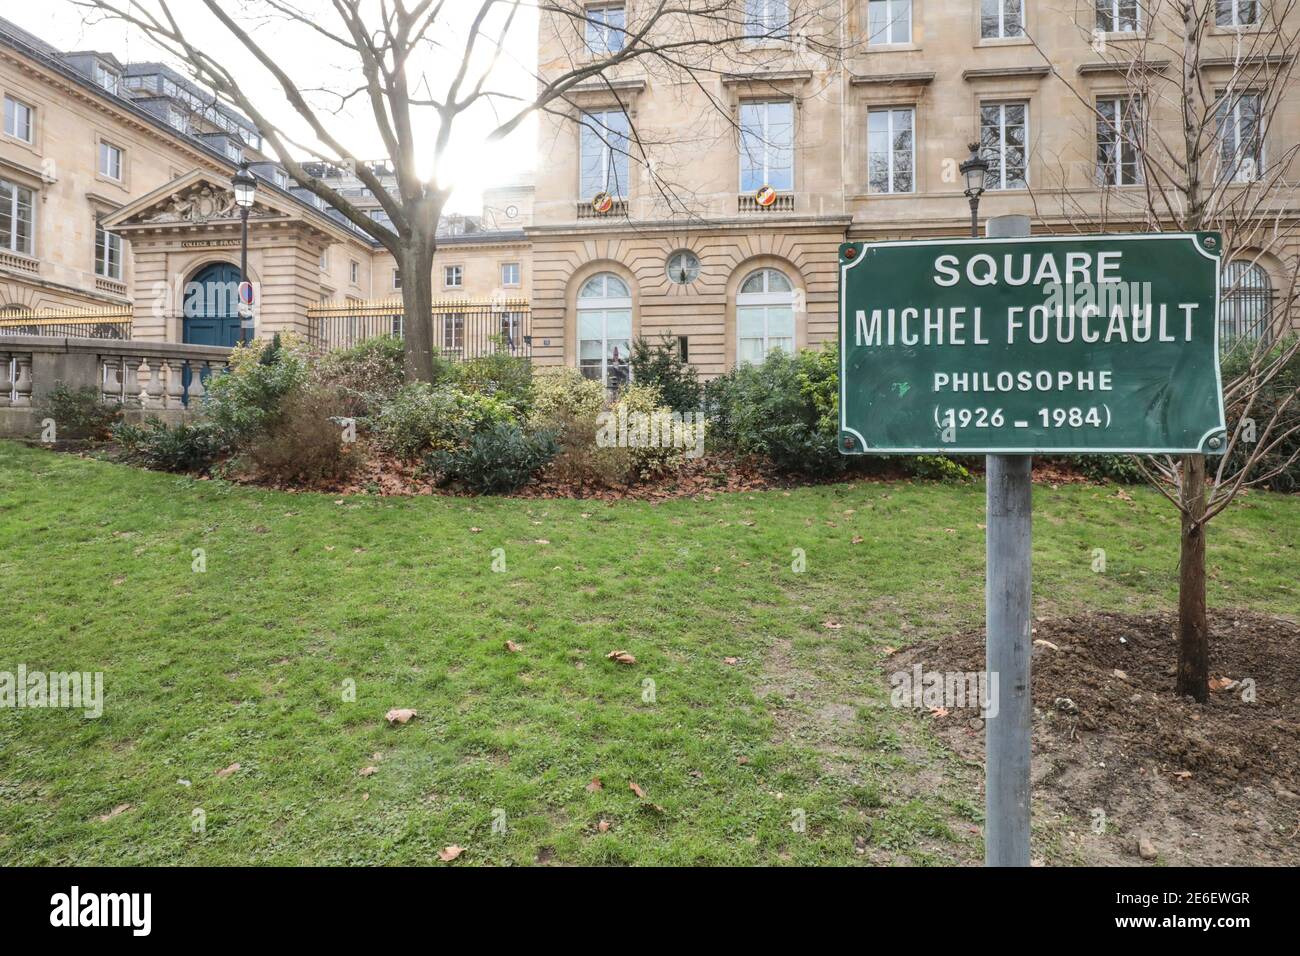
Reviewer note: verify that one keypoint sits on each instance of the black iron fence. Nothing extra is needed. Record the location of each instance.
(462, 328)
(1247, 307)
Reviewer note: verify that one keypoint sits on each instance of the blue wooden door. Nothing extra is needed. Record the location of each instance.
(211, 306)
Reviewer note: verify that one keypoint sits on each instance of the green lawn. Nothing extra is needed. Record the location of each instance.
(248, 662)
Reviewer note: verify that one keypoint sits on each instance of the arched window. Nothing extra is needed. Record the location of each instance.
(605, 329)
(764, 315)
(1246, 306)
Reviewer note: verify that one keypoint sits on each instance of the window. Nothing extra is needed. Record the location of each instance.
(280, 178)
(1236, 13)
(767, 145)
(453, 276)
(606, 27)
(1003, 135)
(683, 267)
(764, 315)
(177, 119)
(1118, 16)
(604, 154)
(397, 278)
(605, 329)
(453, 331)
(511, 329)
(890, 150)
(1000, 19)
(767, 18)
(1246, 304)
(354, 272)
(17, 214)
(233, 152)
(1241, 137)
(324, 260)
(108, 254)
(18, 119)
(889, 21)
(509, 274)
(110, 161)
(106, 78)
(1119, 128)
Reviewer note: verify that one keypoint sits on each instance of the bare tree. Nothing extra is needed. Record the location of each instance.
(419, 113)
(1205, 82)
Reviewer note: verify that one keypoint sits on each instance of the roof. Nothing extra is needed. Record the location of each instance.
(51, 57)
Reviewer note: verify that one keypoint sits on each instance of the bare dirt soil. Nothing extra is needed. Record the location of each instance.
(1164, 779)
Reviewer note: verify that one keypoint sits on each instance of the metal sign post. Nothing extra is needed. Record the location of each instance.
(1008, 601)
(1010, 346)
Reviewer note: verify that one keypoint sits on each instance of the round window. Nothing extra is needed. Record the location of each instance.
(683, 267)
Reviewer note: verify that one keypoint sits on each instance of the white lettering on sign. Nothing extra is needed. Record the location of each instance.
(1016, 268)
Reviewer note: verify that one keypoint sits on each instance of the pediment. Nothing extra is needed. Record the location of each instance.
(193, 199)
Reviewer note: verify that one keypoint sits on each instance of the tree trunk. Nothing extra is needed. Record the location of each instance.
(1193, 627)
(417, 302)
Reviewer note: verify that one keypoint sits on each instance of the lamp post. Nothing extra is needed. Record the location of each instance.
(244, 185)
(974, 170)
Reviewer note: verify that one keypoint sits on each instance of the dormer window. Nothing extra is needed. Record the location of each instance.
(107, 78)
(233, 152)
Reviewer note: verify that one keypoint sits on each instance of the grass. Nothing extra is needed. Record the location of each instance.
(784, 757)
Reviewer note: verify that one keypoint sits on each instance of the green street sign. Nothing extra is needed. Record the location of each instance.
(1079, 344)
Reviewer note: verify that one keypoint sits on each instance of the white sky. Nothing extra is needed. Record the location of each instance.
(315, 63)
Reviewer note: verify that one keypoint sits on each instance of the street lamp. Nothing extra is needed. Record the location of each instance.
(245, 186)
(974, 169)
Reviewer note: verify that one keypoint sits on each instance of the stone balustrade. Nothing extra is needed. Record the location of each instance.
(160, 379)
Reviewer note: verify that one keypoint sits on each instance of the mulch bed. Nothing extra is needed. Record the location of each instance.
(1110, 733)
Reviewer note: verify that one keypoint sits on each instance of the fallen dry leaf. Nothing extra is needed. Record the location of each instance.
(226, 772)
(731, 660)
(399, 715)
(369, 771)
(120, 808)
(1183, 774)
(636, 788)
(623, 657)
(1222, 683)
(595, 785)
(831, 624)
(542, 541)
(450, 853)
(857, 539)
(475, 530)
(513, 648)
(742, 760)
(938, 712)
(603, 826)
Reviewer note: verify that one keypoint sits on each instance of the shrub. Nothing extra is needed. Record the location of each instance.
(501, 375)
(497, 460)
(656, 444)
(78, 412)
(184, 447)
(1266, 405)
(304, 442)
(937, 468)
(1118, 468)
(423, 417)
(779, 410)
(243, 401)
(661, 367)
(368, 373)
(563, 395)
